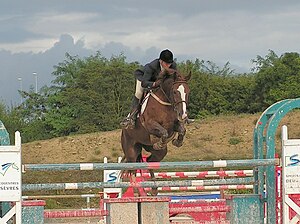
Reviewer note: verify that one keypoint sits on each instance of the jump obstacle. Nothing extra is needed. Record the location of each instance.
(264, 172)
(10, 183)
(196, 183)
(198, 209)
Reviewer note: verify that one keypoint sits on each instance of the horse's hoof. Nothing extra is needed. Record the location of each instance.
(156, 146)
(154, 192)
(159, 146)
(177, 143)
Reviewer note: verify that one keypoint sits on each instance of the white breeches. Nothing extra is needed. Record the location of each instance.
(138, 89)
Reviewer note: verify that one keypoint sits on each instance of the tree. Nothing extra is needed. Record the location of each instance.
(277, 78)
(94, 93)
(216, 90)
(91, 94)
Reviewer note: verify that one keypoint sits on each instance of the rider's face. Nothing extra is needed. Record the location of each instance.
(165, 64)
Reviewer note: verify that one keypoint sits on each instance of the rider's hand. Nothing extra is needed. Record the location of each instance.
(156, 83)
(162, 73)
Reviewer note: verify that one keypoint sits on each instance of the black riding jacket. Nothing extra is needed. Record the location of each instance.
(148, 74)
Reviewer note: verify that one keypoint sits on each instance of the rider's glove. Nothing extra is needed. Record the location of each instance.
(156, 83)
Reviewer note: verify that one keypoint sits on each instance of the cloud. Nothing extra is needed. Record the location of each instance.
(35, 35)
(205, 29)
(23, 64)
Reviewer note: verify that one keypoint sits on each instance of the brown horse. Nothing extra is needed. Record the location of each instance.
(163, 114)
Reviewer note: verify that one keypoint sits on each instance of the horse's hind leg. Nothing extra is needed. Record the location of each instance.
(131, 150)
(154, 190)
(156, 156)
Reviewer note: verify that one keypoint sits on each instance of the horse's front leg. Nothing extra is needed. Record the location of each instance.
(162, 143)
(157, 130)
(180, 128)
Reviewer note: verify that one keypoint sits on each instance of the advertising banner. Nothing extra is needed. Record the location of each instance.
(10, 176)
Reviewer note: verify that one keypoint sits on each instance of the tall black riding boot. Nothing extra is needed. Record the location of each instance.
(129, 121)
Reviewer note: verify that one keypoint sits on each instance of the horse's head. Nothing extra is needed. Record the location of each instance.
(177, 89)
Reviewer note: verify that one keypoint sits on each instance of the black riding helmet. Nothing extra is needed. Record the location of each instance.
(166, 56)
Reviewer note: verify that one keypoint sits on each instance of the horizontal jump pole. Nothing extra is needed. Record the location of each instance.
(205, 188)
(61, 196)
(200, 209)
(151, 165)
(98, 213)
(74, 213)
(200, 174)
(182, 183)
(197, 202)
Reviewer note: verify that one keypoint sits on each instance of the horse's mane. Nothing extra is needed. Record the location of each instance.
(168, 79)
(176, 76)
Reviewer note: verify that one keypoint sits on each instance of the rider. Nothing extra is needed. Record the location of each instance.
(146, 77)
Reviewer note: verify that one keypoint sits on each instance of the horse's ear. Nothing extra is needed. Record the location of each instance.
(187, 77)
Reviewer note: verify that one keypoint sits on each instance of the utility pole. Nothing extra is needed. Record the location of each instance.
(21, 87)
(36, 81)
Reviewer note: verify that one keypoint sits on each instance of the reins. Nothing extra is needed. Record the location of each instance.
(169, 103)
(159, 100)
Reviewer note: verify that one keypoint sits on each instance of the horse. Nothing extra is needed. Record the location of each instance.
(163, 114)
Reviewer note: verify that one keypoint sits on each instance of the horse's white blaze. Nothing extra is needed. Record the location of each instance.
(183, 95)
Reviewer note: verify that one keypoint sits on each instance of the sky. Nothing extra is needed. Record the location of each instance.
(36, 34)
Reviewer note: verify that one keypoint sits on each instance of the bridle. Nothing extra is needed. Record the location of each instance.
(169, 103)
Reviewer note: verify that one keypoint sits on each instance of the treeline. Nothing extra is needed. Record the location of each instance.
(94, 94)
